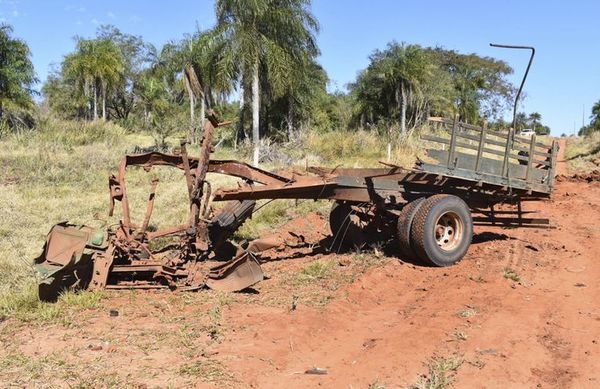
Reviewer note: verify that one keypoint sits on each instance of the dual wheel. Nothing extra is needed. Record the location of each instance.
(437, 229)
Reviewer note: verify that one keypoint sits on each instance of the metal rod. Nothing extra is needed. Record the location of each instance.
(524, 76)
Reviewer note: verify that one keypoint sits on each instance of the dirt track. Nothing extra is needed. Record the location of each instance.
(521, 310)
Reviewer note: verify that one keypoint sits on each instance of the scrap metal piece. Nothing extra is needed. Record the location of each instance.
(240, 273)
(67, 258)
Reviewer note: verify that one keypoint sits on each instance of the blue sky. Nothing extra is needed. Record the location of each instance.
(564, 78)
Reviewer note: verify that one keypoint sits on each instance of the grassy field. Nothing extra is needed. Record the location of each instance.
(583, 153)
(60, 171)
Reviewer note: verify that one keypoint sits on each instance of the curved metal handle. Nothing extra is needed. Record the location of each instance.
(524, 76)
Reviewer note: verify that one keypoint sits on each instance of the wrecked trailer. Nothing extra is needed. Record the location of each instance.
(198, 253)
(477, 176)
(474, 176)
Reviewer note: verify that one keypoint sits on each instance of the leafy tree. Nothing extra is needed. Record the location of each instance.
(595, 115)
(96, 66)
(594, 121)
(263, 39)
(408, 83)
(521, 121)
(535, 118)
(480, 84)
(404, 68)
(137, 56)
(17, 76)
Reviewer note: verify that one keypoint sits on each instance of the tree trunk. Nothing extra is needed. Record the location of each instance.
(190, 92)
(403, 110)
(86, 88)
(255, 115)
(104, 102)
(202, 109)
(191, 95)
(95, 101)
(240, 135)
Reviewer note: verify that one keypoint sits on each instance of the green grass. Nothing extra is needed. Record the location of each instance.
(441, 372)
(25, 305)
(207, 370)
(317, 270)
(511, 274)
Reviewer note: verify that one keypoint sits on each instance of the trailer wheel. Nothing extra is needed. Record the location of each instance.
(405, 220)
(442, 230)
(347, 227)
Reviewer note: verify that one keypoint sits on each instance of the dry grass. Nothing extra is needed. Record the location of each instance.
(60, 171)
(583, 153)
(440, 374)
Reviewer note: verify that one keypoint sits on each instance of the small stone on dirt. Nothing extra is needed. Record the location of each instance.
(114, 313)
(580, 285)
(93, 347)
(344, 261)
(316, 370)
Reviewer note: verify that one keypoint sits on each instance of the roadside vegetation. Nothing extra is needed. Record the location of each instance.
(583, 152)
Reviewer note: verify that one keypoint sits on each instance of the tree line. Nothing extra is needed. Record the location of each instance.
(258, 64)
(594, 121)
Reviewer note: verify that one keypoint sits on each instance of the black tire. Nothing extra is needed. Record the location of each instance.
(442, 230)
(405, 219)
(228, 219)
(346, 227)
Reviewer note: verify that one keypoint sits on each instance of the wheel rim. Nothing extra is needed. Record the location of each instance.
(449, 230)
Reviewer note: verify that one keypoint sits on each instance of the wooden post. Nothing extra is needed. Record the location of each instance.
(553, 155)
(530, 160)
(481, 146)
(451, 163)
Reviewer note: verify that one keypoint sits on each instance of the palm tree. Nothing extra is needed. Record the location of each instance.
(108, 65)
(595, 117)
(405, 67)
(520, 121)
(263, 38)
(535, 118)
(197, 59)
(96, 65)
(78, 66)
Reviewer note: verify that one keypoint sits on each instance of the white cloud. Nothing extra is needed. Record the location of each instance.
(135, 19)
(95, 21)
(110, 15)
(15, 13)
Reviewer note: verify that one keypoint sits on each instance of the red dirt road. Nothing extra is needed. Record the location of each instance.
(539, 329)
(543, 331)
